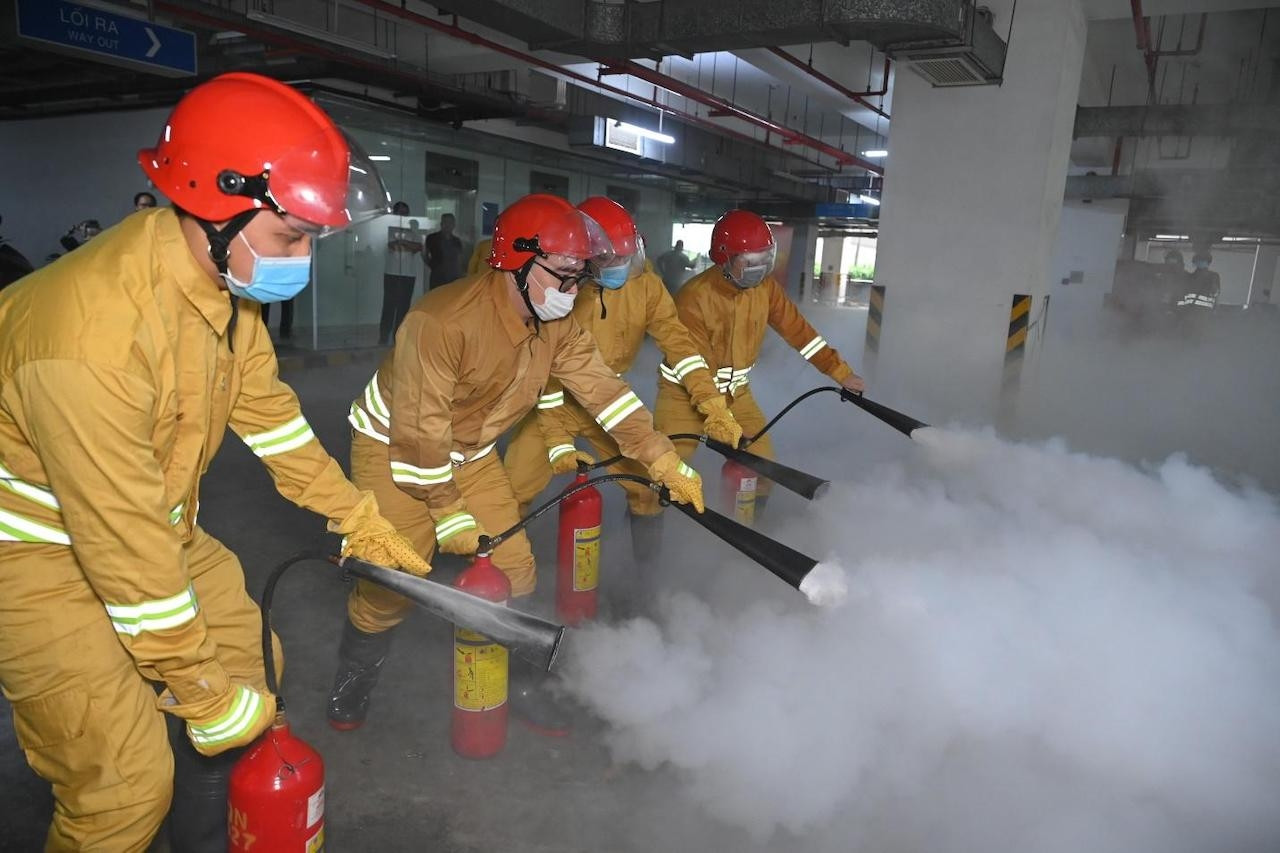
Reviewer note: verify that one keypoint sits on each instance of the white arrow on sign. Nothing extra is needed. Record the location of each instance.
(155, 42)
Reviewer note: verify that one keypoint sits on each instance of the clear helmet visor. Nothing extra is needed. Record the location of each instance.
(576, 237)
(750, 268)
(326, 186)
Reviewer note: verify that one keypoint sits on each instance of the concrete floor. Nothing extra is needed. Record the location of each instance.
(395, 785)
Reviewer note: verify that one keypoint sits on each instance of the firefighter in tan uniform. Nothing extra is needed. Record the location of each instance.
(479, 261)
(470, 361)
(624, 301)
(121, 367)
(726, 308)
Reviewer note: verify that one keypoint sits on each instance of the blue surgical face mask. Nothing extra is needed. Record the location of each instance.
(272, 279)
(614, 277)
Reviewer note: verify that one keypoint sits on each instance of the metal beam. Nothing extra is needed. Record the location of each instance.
(1224, 120)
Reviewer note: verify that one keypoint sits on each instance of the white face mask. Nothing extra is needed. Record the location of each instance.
(751, 276)
(554, 304)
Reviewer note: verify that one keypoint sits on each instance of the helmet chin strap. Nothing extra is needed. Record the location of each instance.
(220, 254)
(522, 285)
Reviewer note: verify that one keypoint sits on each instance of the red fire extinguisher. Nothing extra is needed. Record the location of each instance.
(276, 795)
(479, 727)
(578, 557)
(738, 491)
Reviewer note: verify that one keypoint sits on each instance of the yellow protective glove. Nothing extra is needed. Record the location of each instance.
(564, 458)
(720, 424)
(372, 538)
(233, 718)
(681, 481)
(457, 531)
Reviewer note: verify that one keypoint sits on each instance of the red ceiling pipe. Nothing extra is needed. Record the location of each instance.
(660, 80)
(788, 135)
(856, 97)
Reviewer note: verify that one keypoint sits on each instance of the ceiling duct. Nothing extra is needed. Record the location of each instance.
(610, 30)
(975, 58)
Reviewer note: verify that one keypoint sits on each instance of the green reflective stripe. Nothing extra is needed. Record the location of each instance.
(30, 491)
(375, 404)
(554, 453)
(15, 528)
(403, 472)
(550, 401)
(812, 348)
(455, 523)
(688, 365)
(614, 413)
(282, 439)
(237, 722)
(687, 471)
(158, 615)
(360, 423)
(175, 514)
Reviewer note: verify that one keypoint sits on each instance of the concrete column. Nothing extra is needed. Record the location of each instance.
(832, 271)
(973, 193)
(1264, 275)
(800, 264)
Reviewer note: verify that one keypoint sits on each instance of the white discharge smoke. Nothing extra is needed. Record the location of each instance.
(825, 585)
(1040, 651)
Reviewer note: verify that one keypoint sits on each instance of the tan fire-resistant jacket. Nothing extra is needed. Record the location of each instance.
(466, 368)
(117, 386)
(618, 320)
(727, 322)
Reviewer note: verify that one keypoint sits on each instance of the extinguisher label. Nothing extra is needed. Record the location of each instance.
(586, 558)
(315, 807)
(479, 672)
(315, 844)
(744, 504)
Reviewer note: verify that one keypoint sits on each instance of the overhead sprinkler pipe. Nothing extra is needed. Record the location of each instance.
(789, 136)
(454, 31)
(859, 98)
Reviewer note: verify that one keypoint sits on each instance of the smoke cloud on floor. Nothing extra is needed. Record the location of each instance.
(1040, 651)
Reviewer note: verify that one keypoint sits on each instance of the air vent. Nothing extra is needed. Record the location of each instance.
(622, 138)
(976, 58)
(947, 71)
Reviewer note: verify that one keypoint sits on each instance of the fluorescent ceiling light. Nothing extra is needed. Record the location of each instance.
(290, 25)
(380, 158)
(647, 133)
(868, 199)
(1170, 237)
(1239, 239)
(875, 152)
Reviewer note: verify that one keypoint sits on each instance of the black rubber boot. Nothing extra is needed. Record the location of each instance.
(198, 816)
(646, 537)
(532, 702)
(360, 659)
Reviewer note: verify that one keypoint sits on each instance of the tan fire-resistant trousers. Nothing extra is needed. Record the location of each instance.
(487, 492)
(83, 714)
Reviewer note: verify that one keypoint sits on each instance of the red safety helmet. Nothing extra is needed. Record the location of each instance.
(618, 225)
(738, 232)
(542, 225)
(243, 142)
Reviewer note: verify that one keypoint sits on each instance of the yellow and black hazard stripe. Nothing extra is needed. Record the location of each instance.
(875, 318)
(1015, 346)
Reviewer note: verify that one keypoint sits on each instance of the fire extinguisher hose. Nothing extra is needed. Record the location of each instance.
(783, 561)
(904, 424)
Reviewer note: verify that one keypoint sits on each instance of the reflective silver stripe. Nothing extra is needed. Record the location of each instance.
(687, 471)
(234, 724)
(453, 524)
(812, 348)
(1197, 299)
(668, 374)
(375, 404)
(30, 491)
(15, 528)
(282, 439)
(403, 472)
(554, 453)
(687, 365)
(360, 423)
(550, 401)
(158, 615)
(614, 413)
